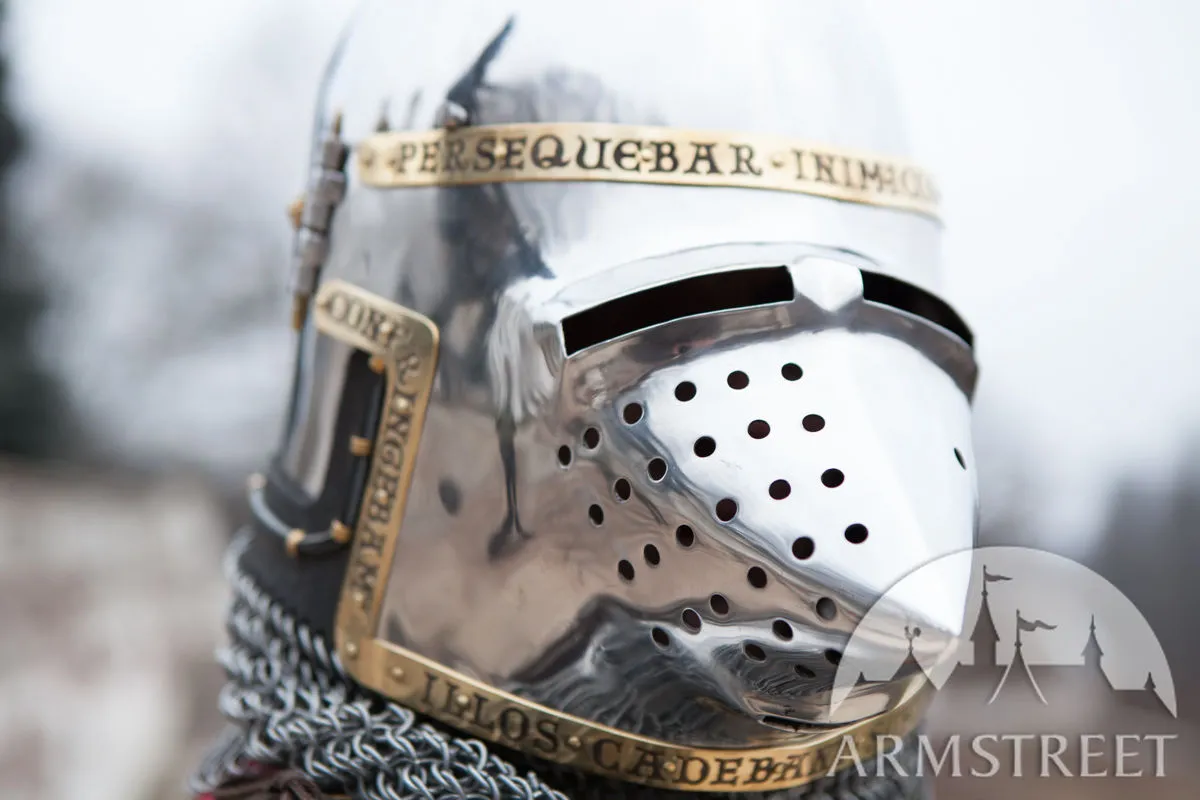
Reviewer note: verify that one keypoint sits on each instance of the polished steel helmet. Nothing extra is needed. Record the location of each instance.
(623, 385)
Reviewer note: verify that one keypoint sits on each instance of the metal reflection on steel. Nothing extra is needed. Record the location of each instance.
(642, 154)
(407, 345)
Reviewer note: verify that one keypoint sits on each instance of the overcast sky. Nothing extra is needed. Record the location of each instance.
(1062, 131)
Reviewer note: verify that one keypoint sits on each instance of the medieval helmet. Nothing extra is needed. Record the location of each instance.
(623, 384)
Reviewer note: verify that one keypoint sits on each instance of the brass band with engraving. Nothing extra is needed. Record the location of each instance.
(642, 154)
(407, 345)
(483, 711)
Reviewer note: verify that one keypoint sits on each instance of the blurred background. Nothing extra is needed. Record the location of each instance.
(147, 153)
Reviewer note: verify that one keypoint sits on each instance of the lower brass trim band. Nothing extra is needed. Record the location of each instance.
(480, 710)
(641, 154)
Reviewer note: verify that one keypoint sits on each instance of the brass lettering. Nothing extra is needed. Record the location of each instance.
(408, 151)
(628, 151)
(743, 160)
(506, 721)
(685, 773)
(429, 156)
(546, 736)
(793, 769)
(704, 152)
(799, 165)
(552, 156)
(727, 772)
(762, 770)
(648, 765)
(581, 158)
(598, 754)
(824, 168)
(430, 681)
(664, 155)
(883, 176)
(455, 148)
(514, 153)
(485, 154)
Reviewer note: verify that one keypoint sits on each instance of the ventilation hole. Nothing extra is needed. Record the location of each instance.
(833, 657)
(782, 630)
(803, 671)
(702, 294)
(632, 413)
(622, 489)
(958, 456)
(738, 380)
(757, 577)
(564, 456)
(685, 391)
(726, 509)
(705, 446)
(685, 536)
(625, 570)
(758, 429)
(719, 604)
(656, 469)
(754, 652)
(651, 554)
(596, 514)
(803, 548)
(591, 438)
(792, 372)
(832, 478)
(856, 533)
(813, 423)
(691, 620)
(660, 637)
(826, 609)
(780, 489)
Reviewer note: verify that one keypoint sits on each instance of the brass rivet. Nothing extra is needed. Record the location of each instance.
(669, 766)
(381, 496)
(352, 650)
(360, 599)
(462, 700)
(299, 311)
(386, 328)
(340, 532)
(397, 673)
(295, 212)
(360, 446)
(574, 743)
(256, 482)
(377, 364)
(403, 405)
(294, 538)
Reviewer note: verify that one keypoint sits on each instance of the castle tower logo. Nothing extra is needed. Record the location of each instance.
(1031, 621)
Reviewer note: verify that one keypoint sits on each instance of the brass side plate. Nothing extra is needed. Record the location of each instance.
(406, 344)
(593, 151)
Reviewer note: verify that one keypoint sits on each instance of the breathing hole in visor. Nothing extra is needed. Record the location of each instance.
(690, 297)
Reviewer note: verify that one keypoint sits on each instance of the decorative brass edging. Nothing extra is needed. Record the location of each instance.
(594, 151)
(405, 344)
(483, 711)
